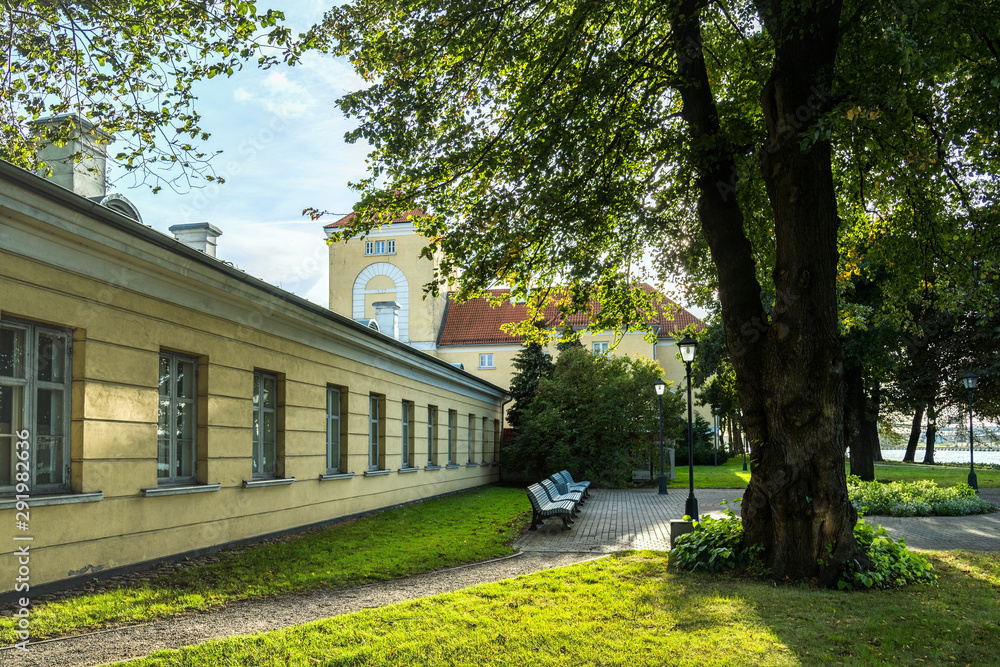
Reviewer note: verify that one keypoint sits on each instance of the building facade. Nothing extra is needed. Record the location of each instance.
(156, 401)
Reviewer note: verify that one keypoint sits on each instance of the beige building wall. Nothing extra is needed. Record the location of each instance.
(125, 293)
(359, 278)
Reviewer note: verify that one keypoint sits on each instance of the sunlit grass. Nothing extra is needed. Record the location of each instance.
(631, 609)
(463, 528)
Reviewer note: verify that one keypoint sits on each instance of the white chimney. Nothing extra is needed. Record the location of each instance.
(80, 163)
(198, 235)
(387, 316)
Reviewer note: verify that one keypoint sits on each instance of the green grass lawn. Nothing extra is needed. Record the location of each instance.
(463, 528)
(731, 475)
(630, 609)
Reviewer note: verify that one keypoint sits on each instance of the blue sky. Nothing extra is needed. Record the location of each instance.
(282, 138)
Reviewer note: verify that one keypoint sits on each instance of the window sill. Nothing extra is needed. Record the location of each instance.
(402, 470)
(486, 368)
(329, 477)
(65, 499)
(376, 473)
(452, 465)
(432, 467)
(471, 465)
(179, 490)
(259, 483)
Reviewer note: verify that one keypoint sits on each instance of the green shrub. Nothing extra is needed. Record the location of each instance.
(715, 545)
(919, 498)
(892, 563)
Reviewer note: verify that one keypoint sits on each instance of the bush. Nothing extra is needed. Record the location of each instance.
(704, 445)
(715, 545)
(919, 498)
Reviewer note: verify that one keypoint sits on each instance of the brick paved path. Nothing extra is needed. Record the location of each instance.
(614, 519)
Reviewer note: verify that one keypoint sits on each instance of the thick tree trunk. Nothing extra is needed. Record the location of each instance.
(856, 424)
(911, 445)
(789, 369)
(931, 433)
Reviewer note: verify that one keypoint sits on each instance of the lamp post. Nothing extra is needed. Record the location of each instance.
(688, 346)
(660, 387)
(970, 380)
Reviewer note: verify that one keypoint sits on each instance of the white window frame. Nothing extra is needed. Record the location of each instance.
(452, 427)
(264, 443)
(334, 441)
(486, 360)
(431, 412)
(369, 247)
(40, 446)
(373, 431)
(600, 348)
(390, 247)
(472, 438)
(485, 438)
(406, 417)
(174, 404)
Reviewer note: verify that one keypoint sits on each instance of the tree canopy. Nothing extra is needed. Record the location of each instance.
(771, 149)
(129, 67)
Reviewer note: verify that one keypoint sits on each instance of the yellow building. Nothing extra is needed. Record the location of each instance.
(156, 401)
(367, 275)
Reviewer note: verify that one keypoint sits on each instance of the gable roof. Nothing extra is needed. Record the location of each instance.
(476, 322)
(346, 220)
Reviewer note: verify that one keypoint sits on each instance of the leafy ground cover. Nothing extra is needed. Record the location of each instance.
(915, 498)
(731, 475)
(646, 614)
(463, 528)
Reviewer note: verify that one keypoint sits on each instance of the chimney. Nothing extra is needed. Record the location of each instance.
(80, 163)
(198, 235)
(387, 316)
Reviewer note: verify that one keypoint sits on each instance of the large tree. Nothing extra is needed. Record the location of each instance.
(553, 140)
(129, 67)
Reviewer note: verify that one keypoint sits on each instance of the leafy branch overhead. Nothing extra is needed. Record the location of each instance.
(129, 68)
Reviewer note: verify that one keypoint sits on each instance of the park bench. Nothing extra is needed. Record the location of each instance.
(574, 486)
(542, 507)
(573, 496)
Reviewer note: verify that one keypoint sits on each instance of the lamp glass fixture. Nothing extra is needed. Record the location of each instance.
(660, 387)
(687, 346)
(970, 380)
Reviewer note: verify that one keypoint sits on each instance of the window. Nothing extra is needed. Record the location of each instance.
(431, 440)
(177, 421)
(335, 459)
(35, 390)
(452, 428)
(472, 438)
(407, 419)
(496, 441)
(380, 247)
(485, 437)
(600, 348)
(265, 425)
(486, 360)
(375, 431)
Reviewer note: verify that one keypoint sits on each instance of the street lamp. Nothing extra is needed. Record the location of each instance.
(688, 346)
(970, 380)
(660, 387)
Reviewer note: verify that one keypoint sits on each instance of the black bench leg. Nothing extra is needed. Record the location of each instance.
(566, 522)
(534, 521)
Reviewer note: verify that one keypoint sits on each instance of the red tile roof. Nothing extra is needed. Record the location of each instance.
(476, 322)
(343, 222)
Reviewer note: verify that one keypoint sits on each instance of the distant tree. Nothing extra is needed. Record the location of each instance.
(590, 416)
(531, 364)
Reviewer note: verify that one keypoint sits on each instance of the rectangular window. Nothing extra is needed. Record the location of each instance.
(369, 248)
(380, 247)
(431, 440)
(177, 421)
(407, 419)
(374, 432)
(391, 247)
(334, 454)
(486, 360)
(472, 438)
(600, 348)
(35, 390)
(485, 440)
(265, 425)
(452, 428)
(496, 441)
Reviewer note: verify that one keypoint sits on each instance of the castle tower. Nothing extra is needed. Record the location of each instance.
(386, 266)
